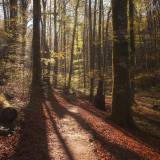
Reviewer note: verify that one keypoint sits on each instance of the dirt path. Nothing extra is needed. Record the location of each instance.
(58, 128)
(68, 140)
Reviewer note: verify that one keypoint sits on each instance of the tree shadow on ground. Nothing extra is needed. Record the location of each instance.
(60, 138)
(33, 143)
(135, 133)
(92, 109)
(112, 148)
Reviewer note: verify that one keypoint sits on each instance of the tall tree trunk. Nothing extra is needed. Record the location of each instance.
(64, 45)
(99, 100)
(106, 50)
(93, 52)
(50, 25)
(121, 102)
(132, 44)
(72, 46)
(24, 5)
(50, 42)
(106, 42)
(44, 40)
(55, 44)
(13, 6)
(46, 52)
(84, 45)
(90, 50)
(36, 71)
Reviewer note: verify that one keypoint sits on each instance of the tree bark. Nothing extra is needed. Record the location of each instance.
(13, 10)
(55, 44)
(132, 44)
(90, 50)
(99, 100)
(36, 71)
(121, 102)
(72, 46)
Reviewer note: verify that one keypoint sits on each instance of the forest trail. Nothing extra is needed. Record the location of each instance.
(65, 128)
(68, 140)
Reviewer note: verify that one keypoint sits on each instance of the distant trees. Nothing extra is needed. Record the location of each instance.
(146, 34)
(75, 41)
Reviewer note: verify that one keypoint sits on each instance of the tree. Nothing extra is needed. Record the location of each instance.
(36, 71)
(99, 101)
(13, 17)
(91, 51)
(6, 25)
(121, 102)
(24, 7)
(55, 44)
(132, 44)
(45, 47)
(64, 44)
(85, 45)
(106, 42)
(72, 46)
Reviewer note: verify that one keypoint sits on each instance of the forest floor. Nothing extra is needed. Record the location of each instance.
(62, 127)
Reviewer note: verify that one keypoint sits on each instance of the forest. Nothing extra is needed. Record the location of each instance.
(79, 79)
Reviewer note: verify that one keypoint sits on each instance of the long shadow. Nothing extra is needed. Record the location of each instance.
(135, 133)
(73, 101)
(65, 147)
(33, 144)
(90, 108)
(114, 149)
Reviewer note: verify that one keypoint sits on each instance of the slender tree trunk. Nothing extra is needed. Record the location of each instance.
(132, 44)
(50, 42)
(44, 40)
(55, 44)
(72, 46)
(106, 45)
(93, 50)
(106, 49)
(46, 52)
(50, 25)
(64, 46)
(13, 6)
(84, 45)
(99, 100)
(24, 31)
(90, 49)
(5, 16)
